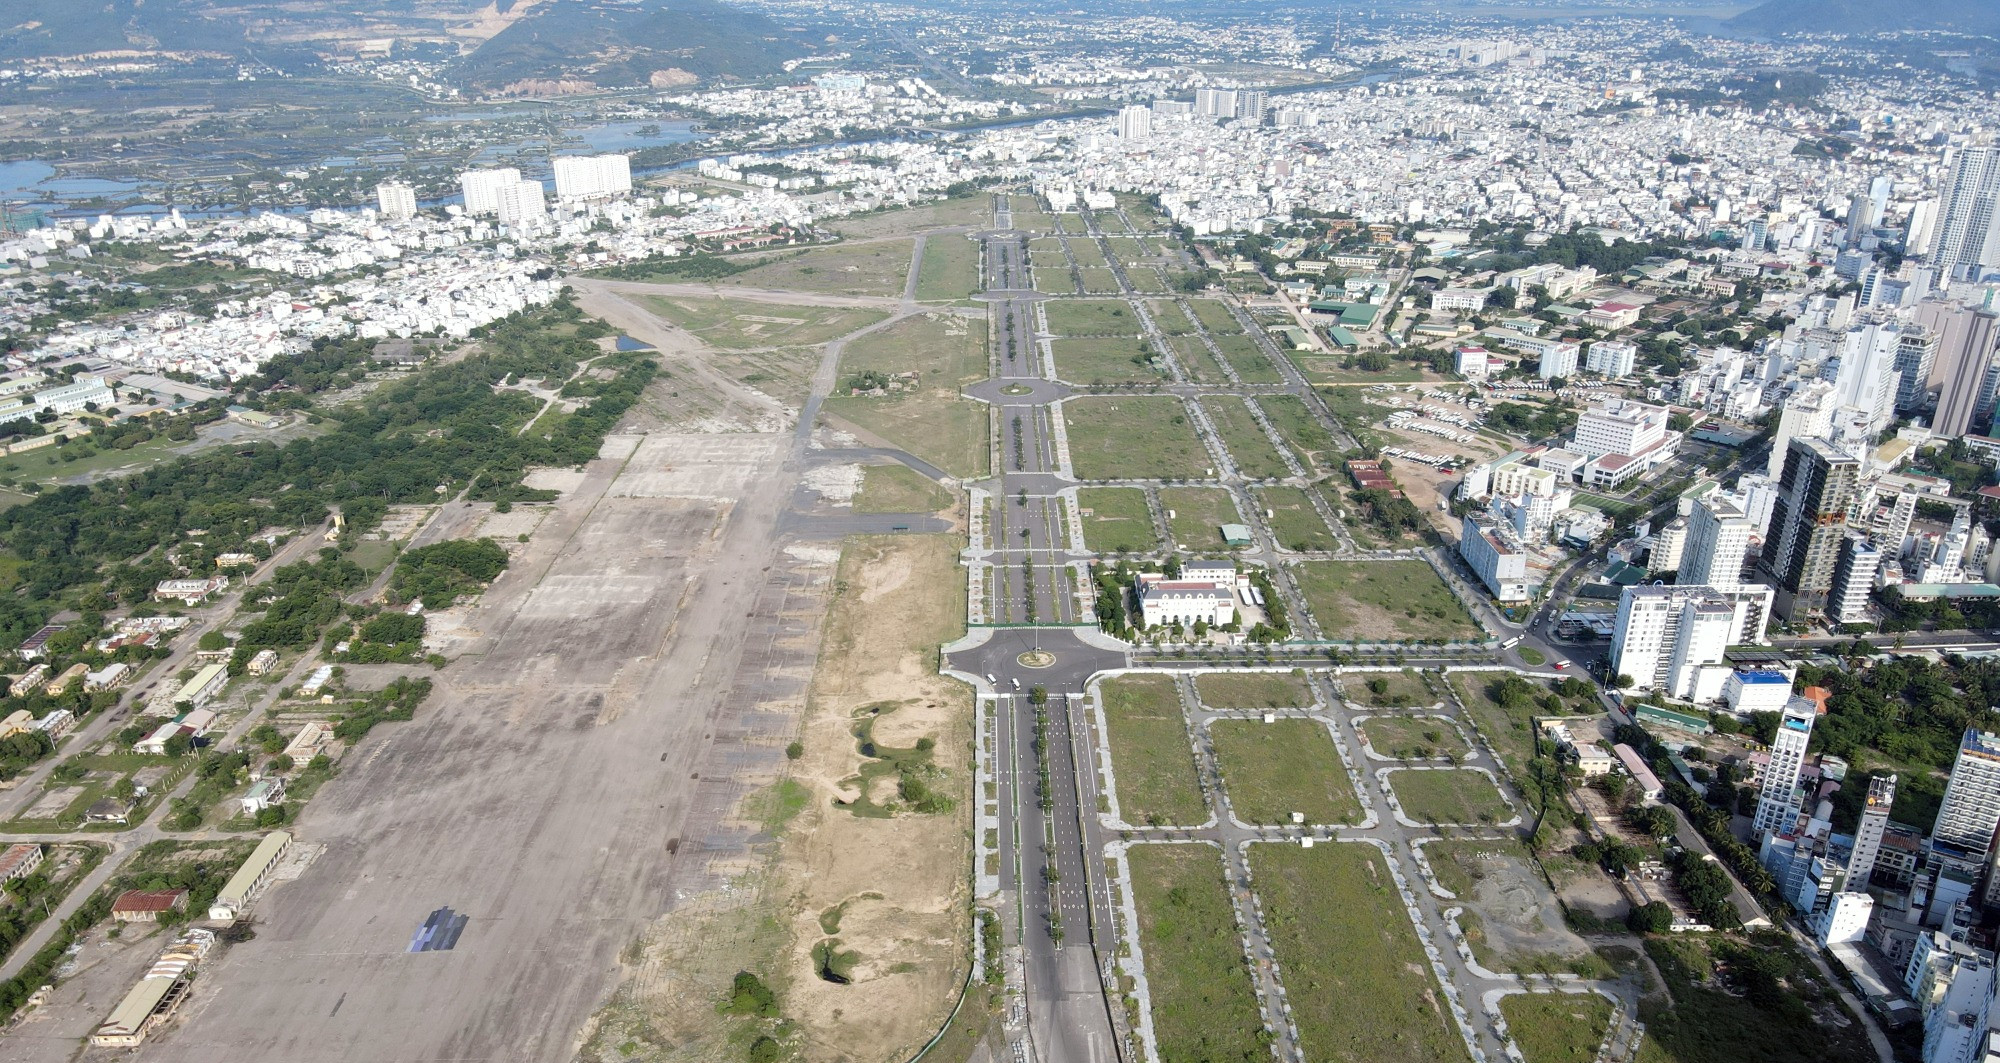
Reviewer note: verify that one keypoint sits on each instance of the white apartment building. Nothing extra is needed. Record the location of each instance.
(1135, 123)
(1777, 795)
(1619, 426)
(482, 188)
(1717, 544)
(1971, 806)
(395, 201)
(592, 176)
(522, 203)
(1559, 361)
(1612, 359)
(1672, 639)
(1807, 413)
(1868, 835)
(1853, 579)
(1460, 300)
(1491, 550)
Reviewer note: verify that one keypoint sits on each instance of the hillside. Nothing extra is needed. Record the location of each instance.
(662, 42)
(37, 28)
(1870, 16)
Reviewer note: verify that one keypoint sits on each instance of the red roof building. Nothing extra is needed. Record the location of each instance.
(146, 906)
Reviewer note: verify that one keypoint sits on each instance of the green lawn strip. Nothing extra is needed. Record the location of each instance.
(1358, 981)
(898, 489)
(1214, 316)
(1412, 737)
(1388, 690)
(1532, 655)
(1378, 601)
(1150, 752)
(1451, 795)
(1244, 438)
(949, 434)
(1203, 1005)
(1272, 770)
(1108, 360)
(1294, 520)
(1147, 437)
(1091, 317)
(1195, 516)
(1253, 690)
(950, 269)
(1249, 360)
(1309, 439)
(1557, 1027)
(1116, 519)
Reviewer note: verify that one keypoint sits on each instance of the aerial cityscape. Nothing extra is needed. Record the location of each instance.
(602, 531)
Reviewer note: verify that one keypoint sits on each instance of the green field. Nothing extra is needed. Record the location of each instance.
(1296, 425)
(1557, 1027)
(1201, 366)
(1249, 360)
(1105, 360)
(736, 324)
(1294, 521)
(950, 269)
(1272, 770)
(1214, 316)
(1167, 315)
(1091, 317)
(843, 269)
(1127, 248)
(1196, 515)
(1389, 689)
(1248, 446)
(1705, 1018)
(1202, 1001)
(1510, 732)
(1412, 737)
(898, 489)
(950, 434)
(1253, 690)
(1116, 519)
(1150, 753)
(945, 350)
(1145, 280)
(1383, 601)
(1100, 281)
(975, 209)
(1053, 277)
(1088, 254)
(1450, 795)
(1334, 911)
(1146, 437)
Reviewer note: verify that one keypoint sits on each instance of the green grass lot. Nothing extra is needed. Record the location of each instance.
(1511, 734)
(944, 350)
(1197, 360)
(1107, 360)
(1249, 360)
(1204, 1007)
(1333, 910)
(1116, 519)
(1214, 316)
(1167, 315)
(1092, 317)
(950, 270)
(1711, 1018)
(1412, 737)
(1253, 690)
(1389, 689)
(898, 489)
(1145, 280)
(1127, 248)
(1557, 1027)
(1255, 456)
(1150, 752)
(975, 209)
(950, 434)
(1309, 439)
(1048, 258)
(842, 269)
(1330, 370)
(1088, 254)
(1350, 406)
(1272, 770)
(1100, 281)
(1197, 516)
(1383, 601)
(1294, 520)
(1451, 795)
(1144, 437)
(1054, 278)
(739, 323)
(1144, 218)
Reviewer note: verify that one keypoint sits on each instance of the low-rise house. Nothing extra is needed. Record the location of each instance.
(263, 794)
(191, 591)
(263, 662)
(146, 906)
(69, 675)
(107, 677)
(21, 860)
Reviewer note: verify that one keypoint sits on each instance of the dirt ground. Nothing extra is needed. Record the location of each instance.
(1516, 910)
(902, 880)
